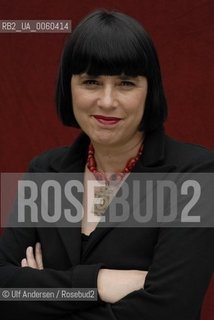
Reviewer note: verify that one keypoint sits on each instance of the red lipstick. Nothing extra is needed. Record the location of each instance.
(106, 120)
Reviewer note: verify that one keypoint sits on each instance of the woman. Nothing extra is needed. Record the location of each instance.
(110, 86)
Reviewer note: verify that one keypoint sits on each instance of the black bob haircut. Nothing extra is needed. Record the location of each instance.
(111, 43)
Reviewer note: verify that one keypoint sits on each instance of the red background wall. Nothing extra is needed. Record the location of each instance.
(183, 34)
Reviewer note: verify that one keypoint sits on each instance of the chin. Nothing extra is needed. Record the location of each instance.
(104, 141)
(101, 138)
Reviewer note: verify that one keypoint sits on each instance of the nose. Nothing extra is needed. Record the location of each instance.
(107, 98)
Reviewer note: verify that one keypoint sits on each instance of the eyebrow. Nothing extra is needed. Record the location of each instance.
(121, 77)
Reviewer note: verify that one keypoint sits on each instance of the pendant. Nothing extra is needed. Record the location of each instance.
(105, 194)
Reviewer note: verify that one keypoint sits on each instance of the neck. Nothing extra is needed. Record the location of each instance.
(112, 159)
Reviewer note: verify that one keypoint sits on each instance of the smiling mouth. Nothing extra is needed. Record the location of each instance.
(106, 120)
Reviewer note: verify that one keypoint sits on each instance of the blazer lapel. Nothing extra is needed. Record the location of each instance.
(71, 235)
(72, 162)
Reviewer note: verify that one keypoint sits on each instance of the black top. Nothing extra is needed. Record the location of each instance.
(84, 239)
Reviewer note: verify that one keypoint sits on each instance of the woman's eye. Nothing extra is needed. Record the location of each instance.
(127, 83)
(90, 82)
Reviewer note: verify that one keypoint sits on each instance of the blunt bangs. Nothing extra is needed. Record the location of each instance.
(108, 49)
(111, 43)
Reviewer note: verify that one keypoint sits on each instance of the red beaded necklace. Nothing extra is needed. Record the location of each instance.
(116, 177)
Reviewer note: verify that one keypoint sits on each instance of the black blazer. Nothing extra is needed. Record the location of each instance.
(179, 260)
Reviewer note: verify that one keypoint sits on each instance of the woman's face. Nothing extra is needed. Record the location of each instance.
(109, 109)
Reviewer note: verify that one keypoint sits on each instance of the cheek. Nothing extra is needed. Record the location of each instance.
(76, 97)
(78, 105)
(81, 100)
(136, 104)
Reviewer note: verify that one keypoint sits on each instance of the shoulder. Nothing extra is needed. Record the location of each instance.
(69, 158)
(43, 162)
(188, 156)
